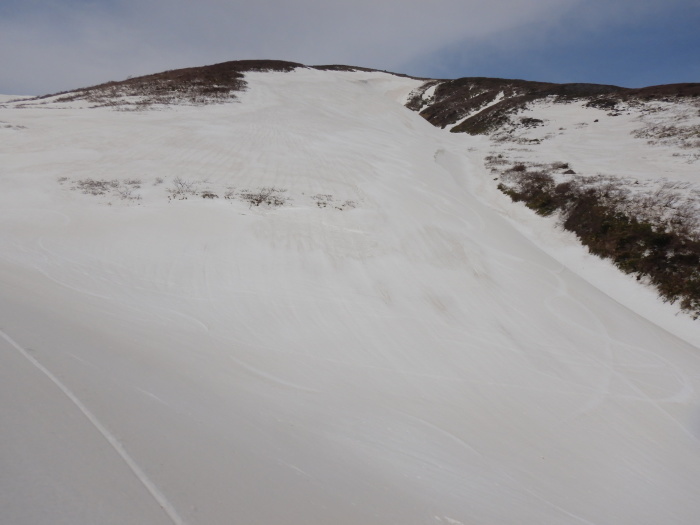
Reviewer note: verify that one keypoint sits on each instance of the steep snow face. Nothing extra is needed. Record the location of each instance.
(370, 339)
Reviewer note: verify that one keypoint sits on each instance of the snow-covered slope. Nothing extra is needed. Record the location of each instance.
(618, 167)
(385, 339)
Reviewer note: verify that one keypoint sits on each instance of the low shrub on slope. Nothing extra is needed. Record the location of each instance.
(653, 236)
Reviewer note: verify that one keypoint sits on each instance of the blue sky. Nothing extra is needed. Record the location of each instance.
(661, 46)
(53, 45)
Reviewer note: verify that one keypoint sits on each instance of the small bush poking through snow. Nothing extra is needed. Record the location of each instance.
(323, 200)
(269, 196)
(127, 193)
(96, 187)
(124, 190)
(182, 188)
(687, 137)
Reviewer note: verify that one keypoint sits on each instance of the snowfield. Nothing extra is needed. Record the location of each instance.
(391, 341)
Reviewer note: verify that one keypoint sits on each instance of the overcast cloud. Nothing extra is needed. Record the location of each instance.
(47, 46)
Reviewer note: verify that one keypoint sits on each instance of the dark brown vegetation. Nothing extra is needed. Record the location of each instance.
(455, 99)
(193, 85)
(269, 196)
(661, 246)
(123, 189)
(474, 99)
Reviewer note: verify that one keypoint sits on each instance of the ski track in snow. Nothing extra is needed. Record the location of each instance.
(167, 507)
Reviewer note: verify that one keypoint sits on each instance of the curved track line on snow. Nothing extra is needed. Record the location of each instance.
(611, 365)
(111, 439)
(497, 467)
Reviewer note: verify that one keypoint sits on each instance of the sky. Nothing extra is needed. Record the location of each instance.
(48, 46)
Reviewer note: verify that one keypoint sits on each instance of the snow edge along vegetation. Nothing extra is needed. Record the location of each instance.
(636, 155)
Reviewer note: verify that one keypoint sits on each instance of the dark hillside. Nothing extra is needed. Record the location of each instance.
(484, 104)
(192, 85)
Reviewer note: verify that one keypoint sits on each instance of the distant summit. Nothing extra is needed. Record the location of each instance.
(193, 85)
(202, 85)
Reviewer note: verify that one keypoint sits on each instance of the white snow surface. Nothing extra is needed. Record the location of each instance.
(434, 354)
(596, 141)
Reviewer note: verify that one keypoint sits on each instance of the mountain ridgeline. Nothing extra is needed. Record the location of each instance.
(213, 84)
(474, 105)
(481, 105)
